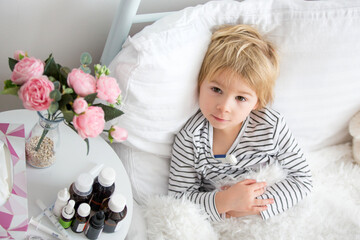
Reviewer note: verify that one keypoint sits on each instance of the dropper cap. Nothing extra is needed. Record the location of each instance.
(98, 219)
(64, 195)
(107, 176)
(69, 211)
(117, 202)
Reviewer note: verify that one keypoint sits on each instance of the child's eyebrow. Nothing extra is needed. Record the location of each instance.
(221, 85)
(244, 93)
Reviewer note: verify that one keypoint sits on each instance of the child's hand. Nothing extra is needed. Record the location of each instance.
(240, 214)
(240, 198)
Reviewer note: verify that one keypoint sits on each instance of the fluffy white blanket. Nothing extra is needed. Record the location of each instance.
(331, 212)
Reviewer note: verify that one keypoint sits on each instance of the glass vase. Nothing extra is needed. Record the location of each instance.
(43, 141)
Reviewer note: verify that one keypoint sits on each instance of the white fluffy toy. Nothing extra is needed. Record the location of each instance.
(333, 203)
(354, 129)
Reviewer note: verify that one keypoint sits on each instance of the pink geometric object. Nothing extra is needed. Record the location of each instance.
(14, 213)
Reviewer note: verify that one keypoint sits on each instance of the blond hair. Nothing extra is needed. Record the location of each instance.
(245, 52)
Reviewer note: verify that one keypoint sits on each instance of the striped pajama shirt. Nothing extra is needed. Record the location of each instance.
(264, 138)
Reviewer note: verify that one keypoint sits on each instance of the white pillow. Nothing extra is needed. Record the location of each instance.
(318, 43)
(318, 87)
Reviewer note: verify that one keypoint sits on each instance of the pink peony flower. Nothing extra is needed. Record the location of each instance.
(91, 123)
(27, 68)
(82, 83)
(108, 89)
(35, 93)
(119, 134)
(17, 54)
(80, 105)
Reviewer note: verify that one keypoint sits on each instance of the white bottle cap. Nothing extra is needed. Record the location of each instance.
(117, 202)
(84, 182)
(68, 211)
(107, 177)
(63, 195)
(84, 210)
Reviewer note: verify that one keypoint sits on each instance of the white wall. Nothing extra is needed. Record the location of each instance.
(65, 28)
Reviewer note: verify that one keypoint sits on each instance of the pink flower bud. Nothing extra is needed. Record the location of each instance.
(118, 134)
(17, 54)
(80, 105)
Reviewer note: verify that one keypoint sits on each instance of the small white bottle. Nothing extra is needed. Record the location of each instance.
(63, 197)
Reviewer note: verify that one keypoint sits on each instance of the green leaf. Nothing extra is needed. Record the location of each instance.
(50, 56)
(9, 84)
(54, 106)
(64, 71)
(56, 85)
(85, 58)
(64, 106)
(68, 114)
(51, 68)
(85, 69)
(90, 98)
(68, 90)
(110, 112)
(56, 95)
(52, 79)
(12, 63)
(11, 90)
(66, 99)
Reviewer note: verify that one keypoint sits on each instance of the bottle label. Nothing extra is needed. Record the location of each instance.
(87, 228)
(80, 227)
(65, 224)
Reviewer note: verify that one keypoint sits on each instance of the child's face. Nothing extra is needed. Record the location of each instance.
(226, 105)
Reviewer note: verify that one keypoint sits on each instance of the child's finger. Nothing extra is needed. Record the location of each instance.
(258, 185)
(262, 202)
(259, 192)
(248, 181)
(259, 208)
(224, 187)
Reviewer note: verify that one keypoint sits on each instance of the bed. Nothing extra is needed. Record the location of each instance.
(318, 92)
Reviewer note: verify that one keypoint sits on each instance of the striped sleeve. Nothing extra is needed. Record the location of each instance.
(184, 181)
(298, 183)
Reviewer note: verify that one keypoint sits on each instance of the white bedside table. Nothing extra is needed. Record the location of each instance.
(71, 160)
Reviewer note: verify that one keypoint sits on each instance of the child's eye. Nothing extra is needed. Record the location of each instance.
(240, 98)
(217, 90)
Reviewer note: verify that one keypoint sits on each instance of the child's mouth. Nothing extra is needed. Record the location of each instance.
(219, 119)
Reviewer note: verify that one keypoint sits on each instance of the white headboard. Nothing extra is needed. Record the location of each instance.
(126, 15)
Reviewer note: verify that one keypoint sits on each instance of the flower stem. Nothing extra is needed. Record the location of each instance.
(42, 138)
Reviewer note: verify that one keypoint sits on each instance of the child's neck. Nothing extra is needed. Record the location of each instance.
(223, 139)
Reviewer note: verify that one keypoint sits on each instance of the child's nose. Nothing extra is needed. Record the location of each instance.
(224, 105)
